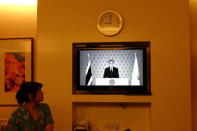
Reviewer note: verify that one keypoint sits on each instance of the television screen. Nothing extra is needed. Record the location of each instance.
(110, 66)
(98, 67)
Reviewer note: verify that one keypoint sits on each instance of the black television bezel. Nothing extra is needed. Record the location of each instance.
(145, 89)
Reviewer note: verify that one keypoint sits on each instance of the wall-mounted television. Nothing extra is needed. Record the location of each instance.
(111, 68)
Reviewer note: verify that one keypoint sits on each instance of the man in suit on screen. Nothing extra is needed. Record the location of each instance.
(111, 71)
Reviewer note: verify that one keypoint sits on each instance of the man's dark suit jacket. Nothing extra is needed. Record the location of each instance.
(111, 74)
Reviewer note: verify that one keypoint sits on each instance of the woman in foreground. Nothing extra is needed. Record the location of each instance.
(31, 115)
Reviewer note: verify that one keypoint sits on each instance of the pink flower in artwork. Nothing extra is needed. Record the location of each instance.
(14, 71)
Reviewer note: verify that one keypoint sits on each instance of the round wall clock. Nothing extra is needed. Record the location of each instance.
(109, 23)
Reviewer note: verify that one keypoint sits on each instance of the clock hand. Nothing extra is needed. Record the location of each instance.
(109, 22)
(110, 19)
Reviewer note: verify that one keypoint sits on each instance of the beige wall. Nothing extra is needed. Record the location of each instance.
(60, 23)
(193, 30)
(16, 21)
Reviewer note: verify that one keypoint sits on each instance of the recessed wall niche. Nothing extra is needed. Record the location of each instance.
(103, 115)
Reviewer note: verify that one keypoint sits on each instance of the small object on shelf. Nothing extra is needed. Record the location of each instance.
(128, 129)
(82, 125)
(80, 129)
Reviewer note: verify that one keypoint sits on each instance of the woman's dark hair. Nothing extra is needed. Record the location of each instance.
(27, 87)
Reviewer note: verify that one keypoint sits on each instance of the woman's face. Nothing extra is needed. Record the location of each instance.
(39, 96)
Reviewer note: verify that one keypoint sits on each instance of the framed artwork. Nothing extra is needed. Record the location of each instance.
(16, 58)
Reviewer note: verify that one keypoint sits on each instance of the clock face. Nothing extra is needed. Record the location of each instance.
(110, 23)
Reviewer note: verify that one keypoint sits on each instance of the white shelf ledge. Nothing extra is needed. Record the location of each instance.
(111, 98)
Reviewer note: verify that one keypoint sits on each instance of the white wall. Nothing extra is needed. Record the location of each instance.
(18, 21)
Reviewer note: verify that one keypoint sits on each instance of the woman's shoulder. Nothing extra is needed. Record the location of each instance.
(18, 110)
(44, 106)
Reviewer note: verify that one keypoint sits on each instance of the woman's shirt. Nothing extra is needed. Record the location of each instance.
(22, 120)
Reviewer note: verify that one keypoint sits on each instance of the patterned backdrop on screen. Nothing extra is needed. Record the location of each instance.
(124, 61)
